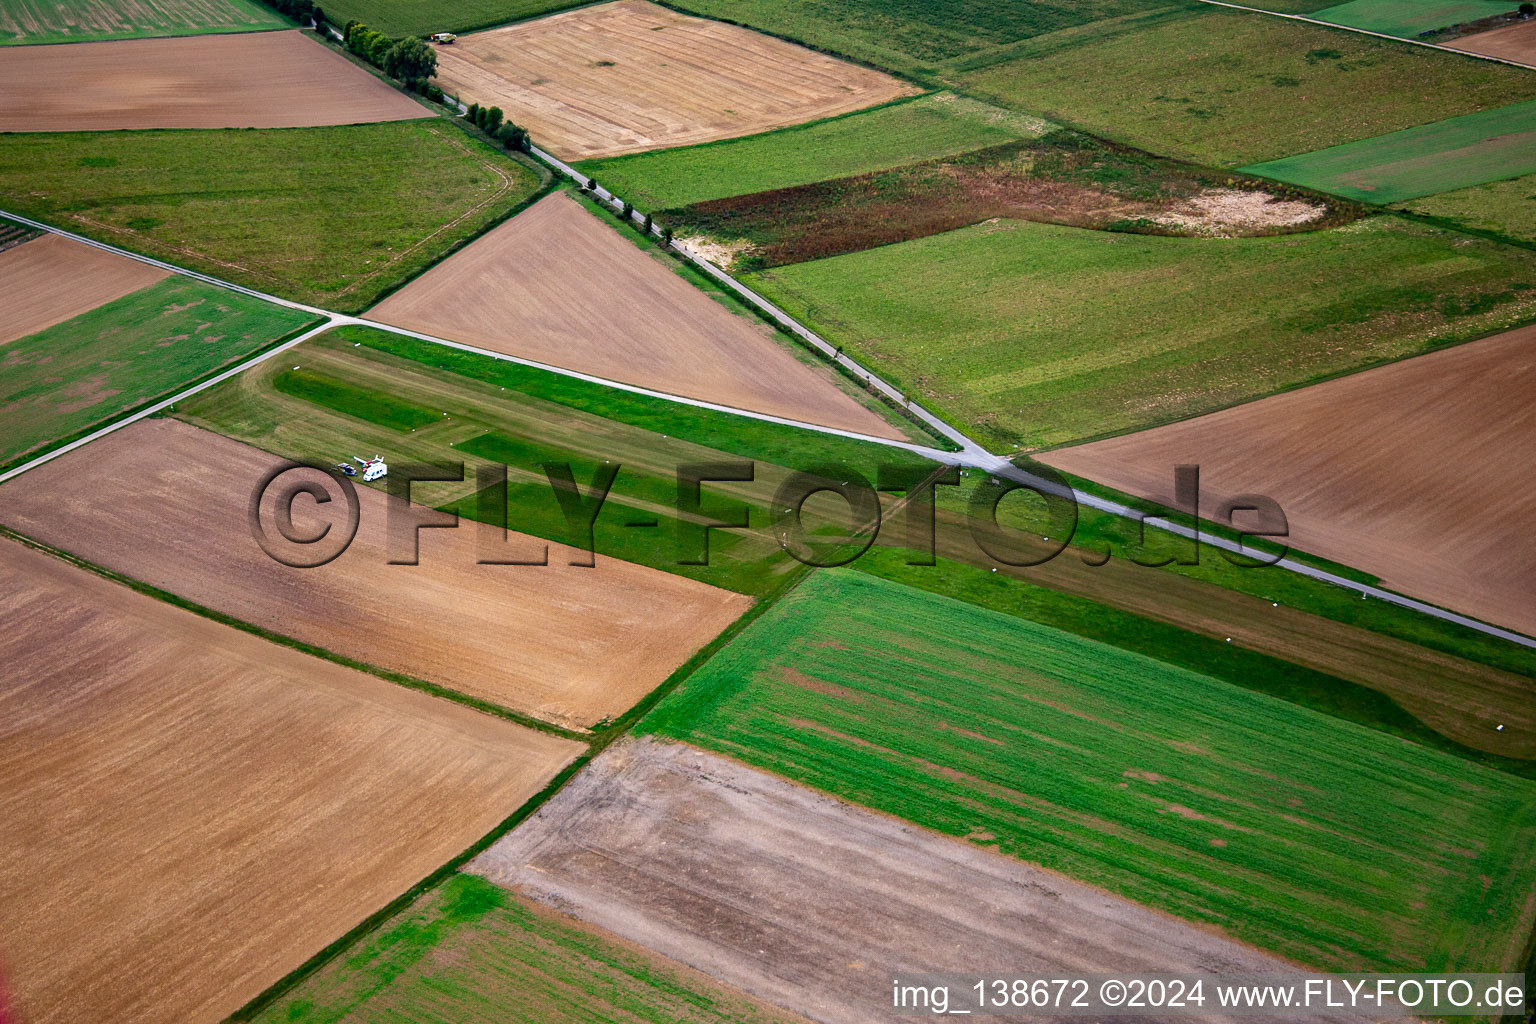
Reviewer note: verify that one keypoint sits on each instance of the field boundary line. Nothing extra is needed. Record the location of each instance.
(972, 455)
(1368, 32)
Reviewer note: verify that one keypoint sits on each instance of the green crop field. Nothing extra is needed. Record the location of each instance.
(125, 353)
(330, 216)
(1036, 335)
(1318, 839)
(1229, 88)
(935, 125)
(1410, 18)
(424, 17)
(1505, 207)
(1451, 154)
(469, 952)
(77, 21)
(915, 36)
(359, 389)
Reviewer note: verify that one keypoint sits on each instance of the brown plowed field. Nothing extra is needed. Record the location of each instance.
(244, 80)
(1512, 42)
(812, 903)
(629, 76)
(188, 813)
(166, 503)
(1418, 472)
(557, 285)
(50, 279)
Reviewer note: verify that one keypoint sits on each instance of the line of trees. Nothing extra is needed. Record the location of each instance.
(493, 122)
(409, 60)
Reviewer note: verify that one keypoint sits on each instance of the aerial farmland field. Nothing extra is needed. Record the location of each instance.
(1515, 42)
(627, 76)
(50, 279)
(470, 951)
(294, 212)
(248, 80)
(1154, 84)
(1119, 331)
(1191, 796)
(1469, 150)
(159, 506)
(560, 286)
(190, 812)
(423, 17)
(126, 352)
(74, 21)
(1411, 18)
(1506, 207)
(934, 125)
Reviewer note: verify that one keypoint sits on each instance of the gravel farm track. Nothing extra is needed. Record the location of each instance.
(167, 503)
(50, 279)
(189, 812)
(629, 76)
(244, 80)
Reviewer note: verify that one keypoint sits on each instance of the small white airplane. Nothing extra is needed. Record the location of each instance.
(373, 469)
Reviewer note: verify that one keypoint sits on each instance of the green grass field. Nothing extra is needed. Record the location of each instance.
(935, 125)
(469, 952)
(423, 17)
(1321, 840)
(915, 37)
(1507, 208)
(1036, 335)
(358, 388)
(1451, 154)
(330, 216)
(1229, 88)
(121, 355)
(1410, 18)
(78, 21)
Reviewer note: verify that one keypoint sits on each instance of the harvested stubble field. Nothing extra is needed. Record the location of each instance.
(1349, 461)
(894, 135)
(1037, 335)
(558, 285)
(1409, 18)
(246, 80)
(1452, 154)
(1505, 208)
(628, 76)
(125, 353)
(1062, 178)
(1512, 42)
(676, 849)
(1228, 88)
(472, 953)
(167, 504)
(49, 279)
(188, 813)
(73, 21)
(1162, 785)
(330, 216)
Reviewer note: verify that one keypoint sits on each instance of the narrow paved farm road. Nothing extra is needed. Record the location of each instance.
(972, 455)
(1368, 32)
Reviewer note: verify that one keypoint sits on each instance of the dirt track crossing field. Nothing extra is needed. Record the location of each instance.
(809, 902)
(51, 279)
(187, 812)
(629, 76)
(244, 80)
(1417, 472)
(166, 503)
(558, 285)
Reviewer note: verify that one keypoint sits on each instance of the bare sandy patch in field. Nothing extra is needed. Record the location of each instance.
(629, 76)
(244, 80)
(1512, 42)
(1418, 472)
(809, 902)
(557, 285)
(188, 812)
(50, 279)
(167, 503)
(1226, 211)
